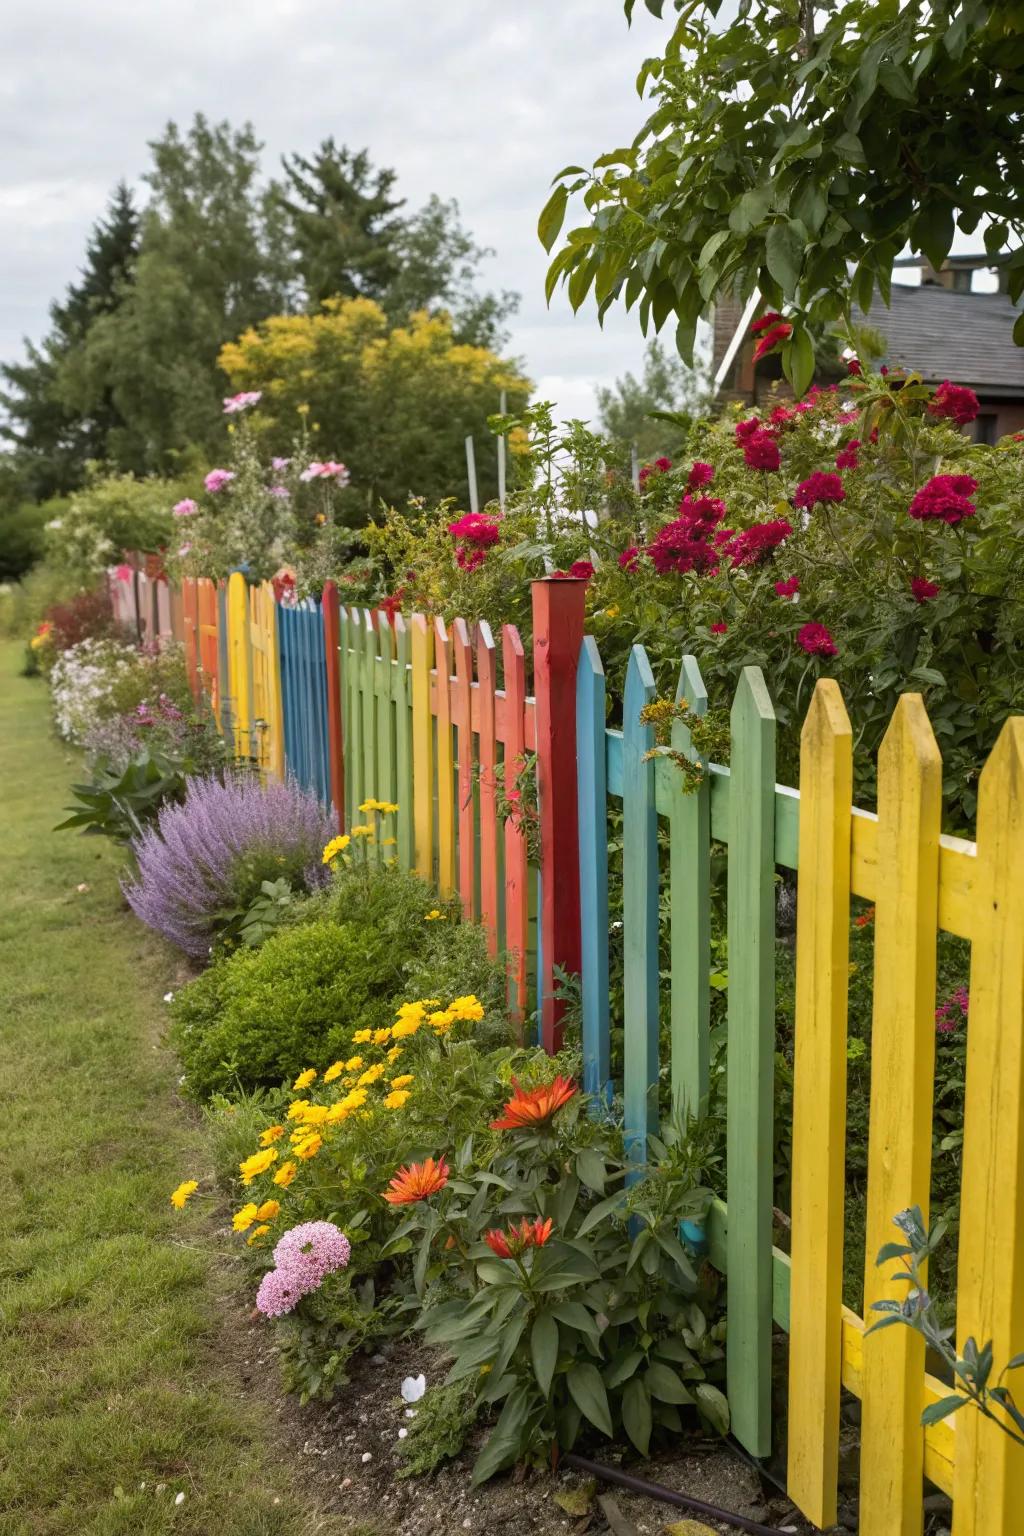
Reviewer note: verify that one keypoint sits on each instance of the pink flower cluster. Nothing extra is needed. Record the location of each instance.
(235, 403)
(684, 545)
(953, 1012)
(659, 467)
(303, 1259)
(474, 535)
(760, 450)
(185, 508)
(580, 570)
(758, 543)
(816, 640)
(945, 499)
(328, 469)
(847, 458)
(819, 489)
(218, 480)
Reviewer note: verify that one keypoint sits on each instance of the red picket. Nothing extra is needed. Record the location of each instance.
(488, 755)
(517, 890)
(462, 719)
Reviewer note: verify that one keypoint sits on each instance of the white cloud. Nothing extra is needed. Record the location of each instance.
(463, 100)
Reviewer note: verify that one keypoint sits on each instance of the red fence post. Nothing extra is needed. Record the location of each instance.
(335, 741)
(558, 616)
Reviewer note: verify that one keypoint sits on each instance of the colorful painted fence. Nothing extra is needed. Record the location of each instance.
(430, 716)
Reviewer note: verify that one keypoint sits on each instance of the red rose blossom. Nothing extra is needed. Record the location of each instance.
(788, 588)
(816, 640)
(819, 489)
(954, 401)
(945, 499)
(762, 452)
(756, 544)
(923, 589)
(771, 339)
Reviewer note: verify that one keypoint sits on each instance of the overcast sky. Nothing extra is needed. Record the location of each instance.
(481, 102)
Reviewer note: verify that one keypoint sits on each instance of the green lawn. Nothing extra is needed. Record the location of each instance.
(116, 1347)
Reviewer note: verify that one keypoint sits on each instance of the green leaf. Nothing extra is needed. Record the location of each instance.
(575, 1315)
(621, 1368)
(784, 254)
(942, 1409)
(552, 216)
(663, 1383)
(590, 1168)
(932, 233)
(711, 245)
(503, 1447)
(603, 1209)
(751, 209)
(713, 1405)
(587, 1391)
(1018, 330)
(544, 1349)
(798, 360)
(636, 1414)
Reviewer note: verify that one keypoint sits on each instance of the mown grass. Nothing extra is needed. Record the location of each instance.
(113, 1335)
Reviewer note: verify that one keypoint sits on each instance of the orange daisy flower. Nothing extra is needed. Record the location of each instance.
(418, 1181)
(516, 1240)
(534, 1107)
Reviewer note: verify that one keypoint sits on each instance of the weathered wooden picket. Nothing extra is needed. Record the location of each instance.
(410, 711)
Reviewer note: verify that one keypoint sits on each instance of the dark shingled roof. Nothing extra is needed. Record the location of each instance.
(965, 337)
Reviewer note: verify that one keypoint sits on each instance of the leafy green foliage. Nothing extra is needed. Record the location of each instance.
(445, 1415)
(120, 802)
(336, 965)
(799, 159)
(971, 1371)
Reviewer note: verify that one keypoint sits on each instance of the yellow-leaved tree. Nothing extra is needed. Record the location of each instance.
(395, 404)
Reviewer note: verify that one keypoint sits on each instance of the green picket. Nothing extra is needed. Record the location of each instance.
(751, 1077)
(383, 675)
(690, 886)
(354, 788)
(369, 708)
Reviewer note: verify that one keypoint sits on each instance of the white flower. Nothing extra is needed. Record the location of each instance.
(413, 1388)
(168, 997)
(55, 525)
(402, 1433)
(179, 1498)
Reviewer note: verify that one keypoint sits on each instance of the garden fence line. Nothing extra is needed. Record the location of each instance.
(357, 704)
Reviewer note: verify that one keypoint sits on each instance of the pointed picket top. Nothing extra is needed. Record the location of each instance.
(640, 688)
(826, 719)
(690, 692)
(909, 740)
(752, 701)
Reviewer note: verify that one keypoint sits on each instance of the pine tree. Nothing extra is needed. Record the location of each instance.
(343, 223)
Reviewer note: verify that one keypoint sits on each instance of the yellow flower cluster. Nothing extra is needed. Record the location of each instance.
(309, 1124)
(335, 846)
(384, 807)
(183, 1193)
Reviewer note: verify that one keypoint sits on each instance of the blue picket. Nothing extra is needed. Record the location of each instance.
(640, 911)
(593, 831)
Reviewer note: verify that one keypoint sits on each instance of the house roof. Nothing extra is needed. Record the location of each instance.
(943, 334)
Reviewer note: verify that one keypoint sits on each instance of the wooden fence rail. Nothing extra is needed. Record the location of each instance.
(438, 719)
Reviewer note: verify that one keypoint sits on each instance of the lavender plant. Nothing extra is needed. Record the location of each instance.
(206, 861)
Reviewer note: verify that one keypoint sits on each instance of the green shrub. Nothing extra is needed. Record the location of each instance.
(343, 964)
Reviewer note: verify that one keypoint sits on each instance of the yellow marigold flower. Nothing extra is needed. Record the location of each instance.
(337, 1112)
(387, 808)
(242, 1220)
(354, 1100)
(184, 1192)
(362, 832)
(415, 1011)
(612, 612)
(468, 1007)
(394, 1053)
(430, 1002)
(310, 1147)
(315, 1114)
(403, 1081)
(271, 1134)
(389, 842)
(362, 1037)
(285, 1174)
(268, 1210)
(335, 846)
(333, 1071)
(441, 1022)
(404, 1028)
(368, 806)
(258, 1232)
(348, 1082)
(380, 1035)
(303, 1080)
(354, 1064)
(257, 1164)
(371, 1074)
(297, 1108)
(397, 1099)
(434, 916)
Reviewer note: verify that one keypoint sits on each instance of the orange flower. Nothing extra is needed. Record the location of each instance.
(864, 919)
(532, 1108)
(417, 1182)
(510, 1244)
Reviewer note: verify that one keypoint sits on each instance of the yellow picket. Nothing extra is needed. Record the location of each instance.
(422, 747)
(239, 664)
(988, 1479)
(900, 1123)
(819, 1104)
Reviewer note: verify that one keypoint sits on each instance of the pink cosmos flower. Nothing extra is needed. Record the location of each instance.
(328, 469)
(235, 403)
(186, 508)
(218, 479)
